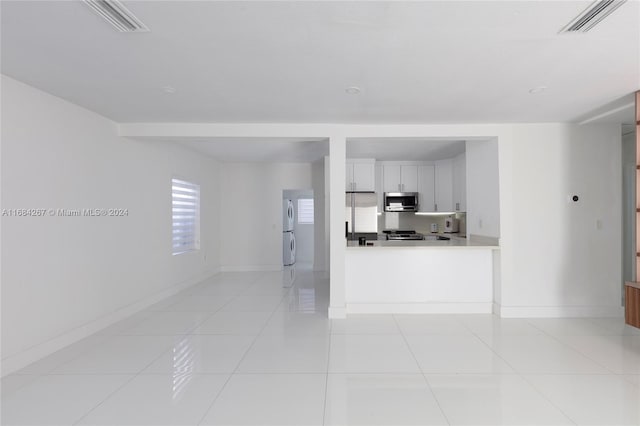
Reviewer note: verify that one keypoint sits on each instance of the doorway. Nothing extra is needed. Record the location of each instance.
(302, 228)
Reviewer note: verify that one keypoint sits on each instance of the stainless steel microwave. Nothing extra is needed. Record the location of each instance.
(400, 201)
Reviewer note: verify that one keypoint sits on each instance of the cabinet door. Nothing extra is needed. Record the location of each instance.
(364, 177)
(426, 188)
(349, 177)
(391, 178)
(409, 178)
(460, 183)
(379, 188)
(444, 185)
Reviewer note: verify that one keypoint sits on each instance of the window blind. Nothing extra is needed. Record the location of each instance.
(185, 211)
(305, 211)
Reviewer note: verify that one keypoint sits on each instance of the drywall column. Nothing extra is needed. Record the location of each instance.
(337, 246)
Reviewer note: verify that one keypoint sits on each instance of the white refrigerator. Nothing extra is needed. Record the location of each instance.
(288, 235)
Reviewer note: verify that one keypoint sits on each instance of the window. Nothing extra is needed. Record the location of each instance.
(185, 211)
(305, 211)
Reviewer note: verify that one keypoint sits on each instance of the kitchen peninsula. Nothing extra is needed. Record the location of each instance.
(427, 276)
(428, 213)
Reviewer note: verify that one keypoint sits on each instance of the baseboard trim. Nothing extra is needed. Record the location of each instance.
(22, 359)
(559, 311)
(337, 312)
(251, 268)
(419, 308)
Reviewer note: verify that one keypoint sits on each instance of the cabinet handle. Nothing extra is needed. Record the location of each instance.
(399, 188)
(436, 207)
(458, 206)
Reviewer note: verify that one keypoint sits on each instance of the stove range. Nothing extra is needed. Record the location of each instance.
(396, 234)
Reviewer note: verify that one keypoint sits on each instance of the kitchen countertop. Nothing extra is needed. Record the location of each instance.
(457, 242)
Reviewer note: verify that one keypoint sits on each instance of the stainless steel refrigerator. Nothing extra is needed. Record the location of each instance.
(361, 216)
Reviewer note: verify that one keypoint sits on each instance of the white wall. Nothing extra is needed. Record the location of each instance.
(321, 245)
(553, 260)
(251, 217)
(66, 277)
(561, 258)
(483, 194)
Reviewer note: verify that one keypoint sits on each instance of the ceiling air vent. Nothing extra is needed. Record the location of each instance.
(592, 16)
(117, 15)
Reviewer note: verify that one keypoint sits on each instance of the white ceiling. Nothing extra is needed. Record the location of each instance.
(296, 150)
(290, 61)
(398, 149)
(281, 150)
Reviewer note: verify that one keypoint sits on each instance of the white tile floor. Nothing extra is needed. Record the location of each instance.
(240, 350)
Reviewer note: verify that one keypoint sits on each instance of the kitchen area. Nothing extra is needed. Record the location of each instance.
(408, 249)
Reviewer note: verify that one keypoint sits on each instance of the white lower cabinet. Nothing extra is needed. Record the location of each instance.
(434, 280)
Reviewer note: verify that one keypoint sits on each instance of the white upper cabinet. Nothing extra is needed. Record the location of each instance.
(441, 185)
(444, 186)
(360, 175)
(379, 188)
(391, 178)
(409, 178)
(460, 183)
(400, 178)
(426, 188)
(348, 186)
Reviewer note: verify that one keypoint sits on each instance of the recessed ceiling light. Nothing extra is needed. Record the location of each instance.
(169, 89)
(353, 90)
(538, 89)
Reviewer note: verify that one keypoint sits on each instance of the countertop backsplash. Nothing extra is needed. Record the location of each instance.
(419, 223)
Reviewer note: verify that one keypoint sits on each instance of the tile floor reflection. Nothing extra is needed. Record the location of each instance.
(257, 349)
